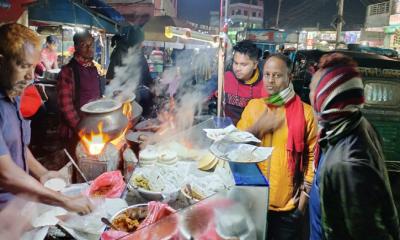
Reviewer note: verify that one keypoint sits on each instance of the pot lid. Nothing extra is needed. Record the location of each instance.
(101, 106)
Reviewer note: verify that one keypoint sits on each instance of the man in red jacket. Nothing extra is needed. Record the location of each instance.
(243, 81)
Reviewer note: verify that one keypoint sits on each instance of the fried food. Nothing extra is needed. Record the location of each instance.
(129, 220)
(102, 191)
(193, 193)
(141, 182)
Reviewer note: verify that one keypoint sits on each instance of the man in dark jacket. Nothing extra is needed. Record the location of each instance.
(354, 191)
(132, 36)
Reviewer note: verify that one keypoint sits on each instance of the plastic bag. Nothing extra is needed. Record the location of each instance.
(156, 212)
(90, 223)
(113, 235)
(108, 184)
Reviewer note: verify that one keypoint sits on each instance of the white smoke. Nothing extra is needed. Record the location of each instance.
(127, 76)
(185, 83)
(176, 82)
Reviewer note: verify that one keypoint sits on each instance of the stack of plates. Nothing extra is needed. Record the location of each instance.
(168, 157)
(148, 157)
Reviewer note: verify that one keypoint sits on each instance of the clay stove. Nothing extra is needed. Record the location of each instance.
(102, 136)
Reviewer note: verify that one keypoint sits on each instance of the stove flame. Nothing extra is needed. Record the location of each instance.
(167, 118)
(119, 141)
(94, 142)
(127, 110)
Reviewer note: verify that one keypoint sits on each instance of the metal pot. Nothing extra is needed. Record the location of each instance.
(107, 111)
(137, 110)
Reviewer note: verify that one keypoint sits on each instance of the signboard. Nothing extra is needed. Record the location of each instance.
(264, 35)
(351, 36)
(378, 72)
(394, 19)
(396, 7)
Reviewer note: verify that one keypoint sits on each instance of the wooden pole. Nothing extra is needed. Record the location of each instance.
(221, 54)
(339, 22)
(278, 14)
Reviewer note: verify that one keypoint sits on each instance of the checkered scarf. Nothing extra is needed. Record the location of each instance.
(338, 98)
(83, 61)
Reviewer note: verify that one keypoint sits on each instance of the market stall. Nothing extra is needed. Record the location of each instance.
(185, 172)
(67, 17)
(62, 19)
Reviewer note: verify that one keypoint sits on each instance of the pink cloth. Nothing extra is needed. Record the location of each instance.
(48, 57)
(162, 230)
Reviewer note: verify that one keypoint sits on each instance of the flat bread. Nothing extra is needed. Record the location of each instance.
(207, 162)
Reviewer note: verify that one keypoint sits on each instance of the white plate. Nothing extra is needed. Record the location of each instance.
(219, 134)
(242, 137)
(241, 153)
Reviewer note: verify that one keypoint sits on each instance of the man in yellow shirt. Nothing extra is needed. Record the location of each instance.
(284, 122)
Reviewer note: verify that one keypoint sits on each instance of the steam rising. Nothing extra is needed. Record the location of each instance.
(186, 83)
(127, 76)
(179, 100)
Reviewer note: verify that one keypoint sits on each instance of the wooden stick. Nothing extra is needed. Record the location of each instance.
(76, 166)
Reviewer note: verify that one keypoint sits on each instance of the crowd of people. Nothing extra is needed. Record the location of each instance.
(326, 173)
(327, 168)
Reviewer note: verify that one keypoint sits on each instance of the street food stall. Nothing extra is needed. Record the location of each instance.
(162, 178)
(206, 168)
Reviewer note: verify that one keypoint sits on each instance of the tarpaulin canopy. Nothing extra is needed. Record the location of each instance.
(102, 7)
(69, 12)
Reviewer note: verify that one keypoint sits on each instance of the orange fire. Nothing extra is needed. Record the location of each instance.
(167, 118)
(94, 142)
(120, 140)
(127, 110)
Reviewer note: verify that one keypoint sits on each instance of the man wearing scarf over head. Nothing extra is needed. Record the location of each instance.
(132, 37)
(284, 122)
(351, 196)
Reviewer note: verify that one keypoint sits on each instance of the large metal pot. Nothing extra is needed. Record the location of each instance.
(107, 111)
(137, 110)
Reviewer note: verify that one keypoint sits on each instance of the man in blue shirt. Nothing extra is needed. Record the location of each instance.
(19, 170)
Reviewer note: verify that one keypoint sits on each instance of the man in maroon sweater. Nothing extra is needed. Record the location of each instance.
(78, 83)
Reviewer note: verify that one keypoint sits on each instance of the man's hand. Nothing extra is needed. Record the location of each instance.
(49, 175)
(268, 122)
(80, 204)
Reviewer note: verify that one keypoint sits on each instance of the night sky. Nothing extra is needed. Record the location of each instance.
(294, 13)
